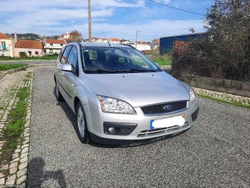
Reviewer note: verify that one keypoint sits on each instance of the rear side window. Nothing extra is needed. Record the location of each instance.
(65, 55)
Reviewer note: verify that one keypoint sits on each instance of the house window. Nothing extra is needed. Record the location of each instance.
(3, 43)
(29, 52)
(36, 52)
(51, 44)
(61, 44)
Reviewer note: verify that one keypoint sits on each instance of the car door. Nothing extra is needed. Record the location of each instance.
(61, 74)
(70, 78)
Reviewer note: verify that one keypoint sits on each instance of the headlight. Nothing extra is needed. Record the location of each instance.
(192, 95)
(112, 105)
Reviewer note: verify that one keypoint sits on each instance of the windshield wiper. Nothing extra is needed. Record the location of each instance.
(99, 71)
(140, 70)
(117, 71)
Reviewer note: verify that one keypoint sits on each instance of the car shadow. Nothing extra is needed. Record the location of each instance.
(71, 116)
(37, 175)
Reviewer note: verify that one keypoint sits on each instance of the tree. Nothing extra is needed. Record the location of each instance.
(226, 53)
(229, 26)
(75, 35)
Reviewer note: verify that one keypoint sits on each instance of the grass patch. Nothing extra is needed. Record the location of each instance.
(15, 126)
(162, 59)
(46, 57)
(226, 102)
(5, 67)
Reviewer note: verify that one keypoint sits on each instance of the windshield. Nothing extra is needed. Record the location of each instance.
(115, 60)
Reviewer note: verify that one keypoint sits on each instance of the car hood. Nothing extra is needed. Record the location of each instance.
(138, 89)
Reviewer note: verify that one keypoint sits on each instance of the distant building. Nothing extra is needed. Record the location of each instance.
(29, 47)
(124, 41)
(111, 40)
(115, 40)
(142, 46)
(97, 39)
(53, 46)
(167, 43)
(155, 44)
(71, 35)
(6, 45)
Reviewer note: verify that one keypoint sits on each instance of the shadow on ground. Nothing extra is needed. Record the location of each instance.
(37, 175)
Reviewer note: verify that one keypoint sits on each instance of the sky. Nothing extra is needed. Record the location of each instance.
(115, 18)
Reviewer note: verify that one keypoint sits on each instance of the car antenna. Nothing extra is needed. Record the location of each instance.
(106, 38)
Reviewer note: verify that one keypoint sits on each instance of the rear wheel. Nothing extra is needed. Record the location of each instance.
(59, 96)
(82, 130)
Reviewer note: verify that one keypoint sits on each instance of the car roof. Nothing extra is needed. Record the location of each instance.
(100, 44)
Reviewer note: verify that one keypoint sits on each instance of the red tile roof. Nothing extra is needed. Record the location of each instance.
(32, 44)
(54, 41)
(115, 39)
(3, 36)
(141, 42)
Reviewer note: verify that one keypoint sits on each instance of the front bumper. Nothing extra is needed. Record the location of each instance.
(96, 120)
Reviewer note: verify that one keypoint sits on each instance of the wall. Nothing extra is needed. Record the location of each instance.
(222, 85)
(17, 50)
(9, 47)
(142, 47)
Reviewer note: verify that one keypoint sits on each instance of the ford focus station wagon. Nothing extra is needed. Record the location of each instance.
(120, 96)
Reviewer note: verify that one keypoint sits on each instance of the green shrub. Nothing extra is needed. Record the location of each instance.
(23, 54)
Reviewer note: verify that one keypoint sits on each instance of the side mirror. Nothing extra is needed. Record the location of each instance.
(66, 67)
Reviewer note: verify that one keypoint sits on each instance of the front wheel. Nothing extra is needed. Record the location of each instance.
(81, 122)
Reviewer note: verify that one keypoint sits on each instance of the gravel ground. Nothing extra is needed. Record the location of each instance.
(214, 153)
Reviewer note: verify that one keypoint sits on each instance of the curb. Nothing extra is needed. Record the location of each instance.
(4, 73)
(224, 96)
(18, 165)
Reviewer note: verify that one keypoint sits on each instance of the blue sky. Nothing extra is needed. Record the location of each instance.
(116, 18)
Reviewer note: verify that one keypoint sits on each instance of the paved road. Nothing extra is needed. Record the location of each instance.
(214, 153)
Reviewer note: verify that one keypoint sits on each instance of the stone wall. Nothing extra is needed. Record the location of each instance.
(220, 85)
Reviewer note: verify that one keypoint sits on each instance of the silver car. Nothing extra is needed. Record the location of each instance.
(120, 96)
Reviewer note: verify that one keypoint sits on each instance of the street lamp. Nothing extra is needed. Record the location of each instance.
(137, 31)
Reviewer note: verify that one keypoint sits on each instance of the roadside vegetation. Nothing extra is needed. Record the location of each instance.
(46, 57)
(16, 123)
(225, 53)
(239, 104)
(163, 60)
(5, 67)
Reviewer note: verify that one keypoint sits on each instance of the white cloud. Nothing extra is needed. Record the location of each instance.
(59, 16)
(33, 5)
(164, 1)
(149, 30)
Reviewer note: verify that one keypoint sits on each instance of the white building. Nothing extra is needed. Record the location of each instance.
(6, 45)
(53, 46)
(142, 46)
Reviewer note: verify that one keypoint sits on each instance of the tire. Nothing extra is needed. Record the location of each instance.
(58, 95)
(81, 124)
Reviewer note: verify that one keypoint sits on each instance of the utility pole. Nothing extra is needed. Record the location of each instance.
(90, 22)
(136, 36)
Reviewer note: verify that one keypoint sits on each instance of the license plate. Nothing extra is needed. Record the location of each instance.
(168, 122)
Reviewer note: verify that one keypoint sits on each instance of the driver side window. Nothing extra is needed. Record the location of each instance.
(72, 58)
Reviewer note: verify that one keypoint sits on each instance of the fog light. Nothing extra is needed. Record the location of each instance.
(111, 130)
(118, 128)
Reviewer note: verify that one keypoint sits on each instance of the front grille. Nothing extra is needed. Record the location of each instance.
(162, 131)
(159, 108)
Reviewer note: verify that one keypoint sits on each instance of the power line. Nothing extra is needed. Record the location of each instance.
(156, 2)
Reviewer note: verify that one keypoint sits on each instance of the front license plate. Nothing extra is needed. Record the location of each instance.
(168, 122)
